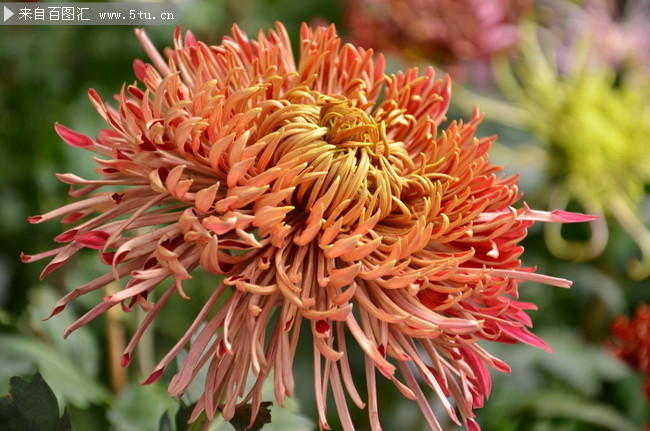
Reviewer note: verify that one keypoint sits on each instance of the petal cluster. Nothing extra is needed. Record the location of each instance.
(325, 194)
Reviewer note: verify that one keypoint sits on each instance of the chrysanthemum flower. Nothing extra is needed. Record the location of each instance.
(447, 32)
(631, 342)
(324, 193)
(594, 125)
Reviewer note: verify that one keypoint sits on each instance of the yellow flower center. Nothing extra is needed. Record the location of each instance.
(348, 125)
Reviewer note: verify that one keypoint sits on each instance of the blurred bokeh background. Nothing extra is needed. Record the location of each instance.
(564, 84)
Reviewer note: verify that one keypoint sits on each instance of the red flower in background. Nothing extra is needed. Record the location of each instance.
(446, 32)
(631, 342)
(325, 194)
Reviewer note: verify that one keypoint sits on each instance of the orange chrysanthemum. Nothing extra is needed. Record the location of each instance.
(325, 194)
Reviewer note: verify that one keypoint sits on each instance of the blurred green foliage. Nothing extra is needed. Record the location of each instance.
(45, 73)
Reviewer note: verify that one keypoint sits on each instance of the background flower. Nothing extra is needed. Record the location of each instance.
(446, 33)
(631, 342)
(616, 33)
(591, 120)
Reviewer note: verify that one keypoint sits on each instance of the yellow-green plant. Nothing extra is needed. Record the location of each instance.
(595, 125)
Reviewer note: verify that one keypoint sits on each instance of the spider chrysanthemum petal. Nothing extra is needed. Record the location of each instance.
(326, 195)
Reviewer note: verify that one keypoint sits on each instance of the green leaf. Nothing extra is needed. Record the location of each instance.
(138, 406)
(80, 348)
(288, 418)
(561, 405)
(242, 417)
(70, 366)
(581, 365)
(68, 381)
(31, 406)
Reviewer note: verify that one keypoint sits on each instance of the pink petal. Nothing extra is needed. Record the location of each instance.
(569, 217)
(93, 239)
(139, 69)
(73, 138)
